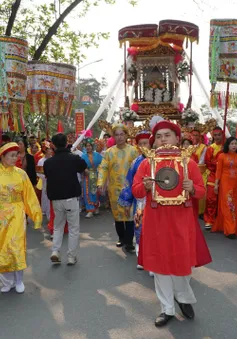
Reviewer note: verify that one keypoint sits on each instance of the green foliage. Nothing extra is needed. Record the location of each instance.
(231, 117)
(92, 88)
(34, 22)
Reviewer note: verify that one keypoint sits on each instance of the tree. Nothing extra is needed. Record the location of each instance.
(231, 117)
(47, 29)
(92, 88)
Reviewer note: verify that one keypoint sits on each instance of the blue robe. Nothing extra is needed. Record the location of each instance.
(126, 197)
(89, 182)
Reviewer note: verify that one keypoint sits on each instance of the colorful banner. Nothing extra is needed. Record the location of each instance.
(79, 121)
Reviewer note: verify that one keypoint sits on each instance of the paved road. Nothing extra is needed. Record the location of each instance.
(104, 296)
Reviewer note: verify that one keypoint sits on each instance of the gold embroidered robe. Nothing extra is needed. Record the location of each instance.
(17, 198)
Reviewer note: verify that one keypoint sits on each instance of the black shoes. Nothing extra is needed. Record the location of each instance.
(231, 236)
(119, 243)
(163, 319)
(129, 248)
(187, 310)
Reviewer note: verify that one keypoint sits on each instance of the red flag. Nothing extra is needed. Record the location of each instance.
(60, 127)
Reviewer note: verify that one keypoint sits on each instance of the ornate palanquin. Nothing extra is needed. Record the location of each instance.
(158, 65)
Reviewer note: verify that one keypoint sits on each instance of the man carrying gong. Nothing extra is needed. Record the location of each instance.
(168, 245)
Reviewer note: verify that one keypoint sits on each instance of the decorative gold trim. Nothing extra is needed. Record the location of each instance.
(209, 126)
(168, 152)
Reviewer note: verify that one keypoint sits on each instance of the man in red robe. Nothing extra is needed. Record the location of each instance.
(170, 234)
(211, 157)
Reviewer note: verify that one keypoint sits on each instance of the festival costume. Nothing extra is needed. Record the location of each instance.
(211, 158)
(45, 203)
(167, 249)
(168, 243)
(200, 154)
(90, 196)
(126, 197)
(114, 167)
(17, 197)
(226, 173)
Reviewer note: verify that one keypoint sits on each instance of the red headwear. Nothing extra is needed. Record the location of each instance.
(142, 135)
(10, 146)
(151, 140)
(167, 124)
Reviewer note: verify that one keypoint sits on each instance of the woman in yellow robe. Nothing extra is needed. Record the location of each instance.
(17, 198)
(114, 167)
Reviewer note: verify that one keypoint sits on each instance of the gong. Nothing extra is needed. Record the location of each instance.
(167, 178)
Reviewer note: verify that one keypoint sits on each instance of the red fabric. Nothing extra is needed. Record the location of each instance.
(211, 206)
(151, 140)
(10, 149)
(39, 155)
(142, 135)
(168, 241)
(51, 221)
(211, 162)
(166, 124)
(195, 158)
(202, 251)
(211, 159)
(60, 128)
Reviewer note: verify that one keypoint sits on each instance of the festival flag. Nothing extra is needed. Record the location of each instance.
(79, 121)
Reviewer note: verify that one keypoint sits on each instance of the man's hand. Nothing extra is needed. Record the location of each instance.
(138, 218)
(127, 211)
(188, 185)
(216, 189)
(147, 181)
(86, 172)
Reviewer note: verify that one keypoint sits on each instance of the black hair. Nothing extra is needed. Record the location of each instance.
(24, 141)
(227, 144)
(186, 139)
(59, 140)
(106, 135)
(5, 138)
(32, 137)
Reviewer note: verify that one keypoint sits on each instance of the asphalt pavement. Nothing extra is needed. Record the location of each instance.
(104, 296)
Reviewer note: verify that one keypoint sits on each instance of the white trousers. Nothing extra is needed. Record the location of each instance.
(11, 278)
(169, 287)
(66, 210)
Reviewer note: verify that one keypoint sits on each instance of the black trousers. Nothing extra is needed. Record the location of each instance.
(125, 231)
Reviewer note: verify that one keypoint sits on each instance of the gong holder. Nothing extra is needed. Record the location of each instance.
(168, 152)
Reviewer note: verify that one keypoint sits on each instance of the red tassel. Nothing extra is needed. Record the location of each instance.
(60, 128)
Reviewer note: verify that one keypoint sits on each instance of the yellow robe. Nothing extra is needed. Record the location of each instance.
(17, 198)
(199, 151)
(114, 167)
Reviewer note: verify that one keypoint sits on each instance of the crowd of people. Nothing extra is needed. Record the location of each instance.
(49, 178)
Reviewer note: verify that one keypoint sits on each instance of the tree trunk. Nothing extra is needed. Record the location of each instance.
(53, 29)
(12, 18)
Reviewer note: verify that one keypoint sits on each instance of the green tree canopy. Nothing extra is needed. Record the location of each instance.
(46, 26)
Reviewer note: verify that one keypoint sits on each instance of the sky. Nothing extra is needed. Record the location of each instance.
(111, 18)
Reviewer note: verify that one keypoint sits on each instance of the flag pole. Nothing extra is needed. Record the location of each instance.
(226, 109)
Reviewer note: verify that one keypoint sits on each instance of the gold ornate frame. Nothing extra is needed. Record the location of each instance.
(169, 152)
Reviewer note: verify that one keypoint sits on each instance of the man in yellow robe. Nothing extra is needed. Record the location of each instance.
(114, 167)
(17, 198)
(200, 153)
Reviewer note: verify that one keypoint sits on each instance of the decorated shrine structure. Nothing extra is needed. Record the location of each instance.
(158, 66)
(13, 65)
(50, 88)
